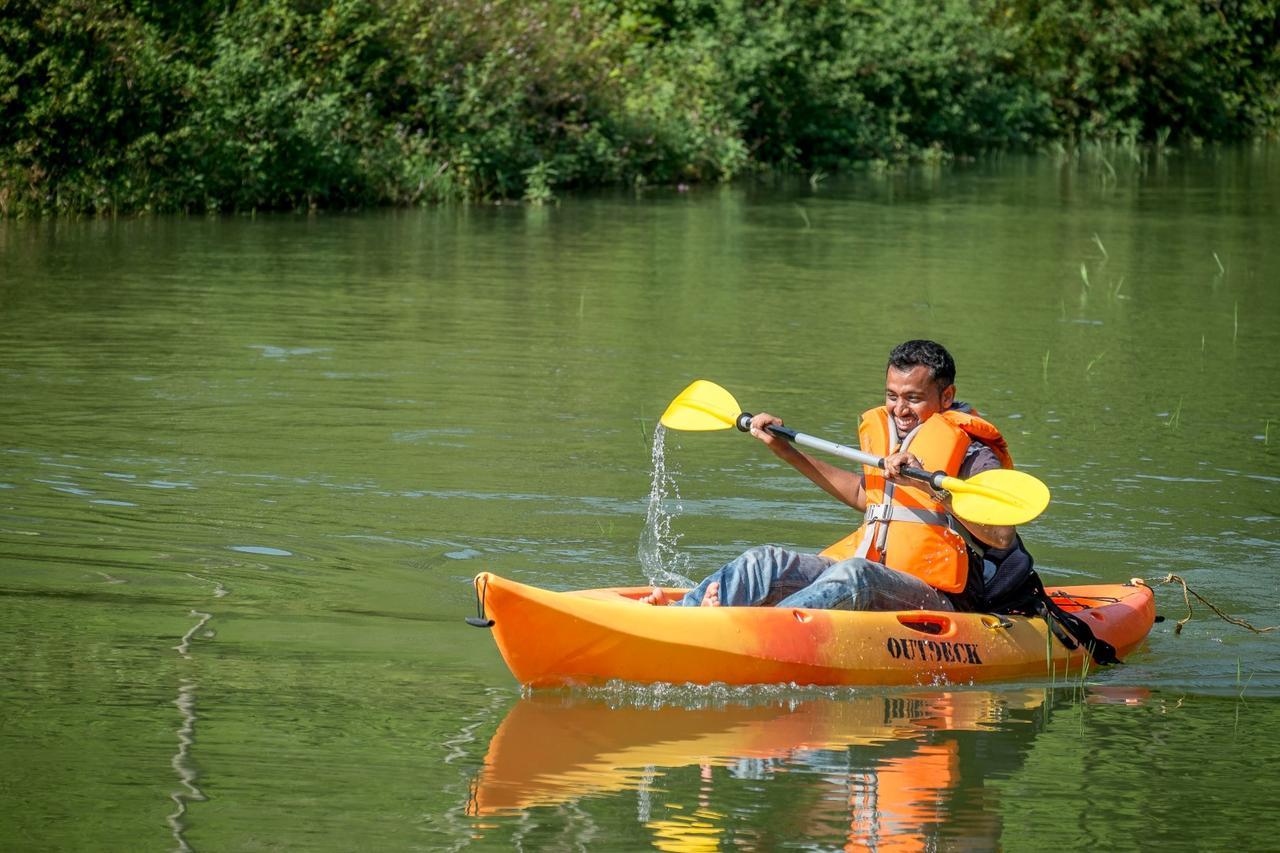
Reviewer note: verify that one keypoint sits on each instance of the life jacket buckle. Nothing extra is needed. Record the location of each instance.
(878, 512)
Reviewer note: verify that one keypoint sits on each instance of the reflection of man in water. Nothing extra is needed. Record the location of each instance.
(924, 791)
(929, 792)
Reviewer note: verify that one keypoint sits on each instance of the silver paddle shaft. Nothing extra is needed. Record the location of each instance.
(844, 451)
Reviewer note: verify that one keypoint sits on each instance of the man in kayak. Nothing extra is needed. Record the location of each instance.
(911, 552)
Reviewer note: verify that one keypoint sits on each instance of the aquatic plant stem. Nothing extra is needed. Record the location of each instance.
(1187, 592)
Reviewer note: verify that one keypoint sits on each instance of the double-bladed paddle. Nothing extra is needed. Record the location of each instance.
(1001, 496)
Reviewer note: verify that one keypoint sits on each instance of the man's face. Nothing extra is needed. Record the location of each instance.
(912, 396)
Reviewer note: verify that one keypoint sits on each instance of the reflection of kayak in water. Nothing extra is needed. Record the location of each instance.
(884, 770)
(591, 636)
(550, 750)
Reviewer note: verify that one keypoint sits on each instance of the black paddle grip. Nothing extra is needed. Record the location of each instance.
(744, 423)
(934, 479)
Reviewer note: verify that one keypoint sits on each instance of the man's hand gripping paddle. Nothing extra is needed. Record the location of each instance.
(1000, 496)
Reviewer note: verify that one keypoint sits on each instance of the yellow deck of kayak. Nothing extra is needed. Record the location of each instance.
(592, 636)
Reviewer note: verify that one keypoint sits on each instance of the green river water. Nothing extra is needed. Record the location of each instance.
(248, 467)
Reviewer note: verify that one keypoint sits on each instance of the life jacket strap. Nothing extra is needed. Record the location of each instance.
(878, 528)
(897, 512)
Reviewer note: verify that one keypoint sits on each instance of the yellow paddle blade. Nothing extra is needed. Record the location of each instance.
(1000, 496)
(702, 406)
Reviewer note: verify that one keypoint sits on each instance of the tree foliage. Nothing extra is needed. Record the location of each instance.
(126, 105)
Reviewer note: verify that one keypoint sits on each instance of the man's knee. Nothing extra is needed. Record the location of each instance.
(854, 570)
(766, 556)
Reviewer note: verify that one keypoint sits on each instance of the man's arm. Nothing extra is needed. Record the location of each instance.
(995, 535)
(843, 485)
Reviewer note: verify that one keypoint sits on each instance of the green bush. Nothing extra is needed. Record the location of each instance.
(1208, 70)
(820, 85)
(286, 111)
(126, 105)
(88, 101)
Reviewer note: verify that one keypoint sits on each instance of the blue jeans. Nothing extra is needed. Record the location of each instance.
(773, 576)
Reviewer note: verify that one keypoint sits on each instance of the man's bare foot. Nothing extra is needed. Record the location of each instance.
(711, 598)
(657, 598)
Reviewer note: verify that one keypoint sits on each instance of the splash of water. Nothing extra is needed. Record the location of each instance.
(659, 557)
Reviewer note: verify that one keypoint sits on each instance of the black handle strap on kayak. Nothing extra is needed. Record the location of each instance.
(1102, 652)
(481, 584)
(1024, 594)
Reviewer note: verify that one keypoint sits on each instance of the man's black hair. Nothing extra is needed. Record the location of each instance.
(933, 355)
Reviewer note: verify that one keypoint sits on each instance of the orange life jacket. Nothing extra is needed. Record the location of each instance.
(905, 528)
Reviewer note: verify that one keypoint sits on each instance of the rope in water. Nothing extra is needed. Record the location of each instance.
(1187, 592)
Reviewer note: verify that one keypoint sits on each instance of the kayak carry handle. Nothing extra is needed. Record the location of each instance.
(481, 584)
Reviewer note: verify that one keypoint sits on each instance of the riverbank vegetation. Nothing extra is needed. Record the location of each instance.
(141, 105)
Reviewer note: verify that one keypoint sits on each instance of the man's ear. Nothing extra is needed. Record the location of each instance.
(948, 396)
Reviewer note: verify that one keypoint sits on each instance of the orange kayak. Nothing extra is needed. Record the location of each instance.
(592, 636)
